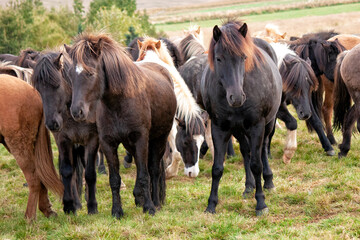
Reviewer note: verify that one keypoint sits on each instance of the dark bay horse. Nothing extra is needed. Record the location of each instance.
(241, 90)
(136, 105)
(347, 88)
(24, 135)
(53, 81)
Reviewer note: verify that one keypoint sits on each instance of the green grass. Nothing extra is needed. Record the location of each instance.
(316, 197)
(289, 14)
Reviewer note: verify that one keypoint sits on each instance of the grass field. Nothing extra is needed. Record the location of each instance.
(321, 11)
(316, 197)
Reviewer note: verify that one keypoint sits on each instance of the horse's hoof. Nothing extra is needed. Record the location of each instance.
(341, 155)
(269, 187)
(127, 164)
(210, 210)
(330, 153)
(102, 170)
(118, 214)
(50, 213)
(286, 160)
(248, 193)
(262, 212)
(122, 186)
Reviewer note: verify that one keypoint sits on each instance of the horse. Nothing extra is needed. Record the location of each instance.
(188, 132)
(52, 79)
(191, 45)
(16, 71)
(271, 33)
(346, 89)
(241, 90)
(26, 59)
(136, 106)
(133, 50)
(24, 135)
(323, 55)
(299, 81)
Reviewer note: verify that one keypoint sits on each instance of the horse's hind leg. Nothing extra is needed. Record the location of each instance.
(44, 202)
(267, 172)
(327, 108)
(349, 122)
(156, 170)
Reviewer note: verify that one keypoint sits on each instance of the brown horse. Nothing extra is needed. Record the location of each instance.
(347, 85)
(23, 133)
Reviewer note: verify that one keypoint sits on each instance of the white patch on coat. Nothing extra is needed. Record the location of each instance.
(79, 68)
(194, 170)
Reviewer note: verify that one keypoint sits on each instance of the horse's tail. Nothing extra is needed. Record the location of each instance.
(187, 108)
(44, 164)
(342, 99)
(317, 102)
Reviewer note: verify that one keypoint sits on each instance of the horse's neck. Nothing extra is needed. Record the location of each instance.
(281, 51)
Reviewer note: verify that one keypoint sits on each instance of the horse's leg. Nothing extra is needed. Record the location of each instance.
(90, 173)
(44, 202)
(208, 138)
(291, 125)
(156, 152)
(67, 171)
(77, 178)
(173, 168)
(110, 151)
(315, 122)
(327, 108)
(270, 138)
(220, 140)
(230, 149)
(349, 121)
(256, 137)
(128, 160)
(249, 177)
(101, 166)
(142, 186)
(267, 172)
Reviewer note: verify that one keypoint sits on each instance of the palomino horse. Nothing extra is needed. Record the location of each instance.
(51, 78)
(347, 85)
(188, 131)
(299, 81)
(271, 33)
(23, 133)
(136, 106)
(241, 90)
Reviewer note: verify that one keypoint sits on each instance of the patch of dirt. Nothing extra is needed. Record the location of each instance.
(342, 23)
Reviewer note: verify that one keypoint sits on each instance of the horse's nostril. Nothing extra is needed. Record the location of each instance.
(56, 125)
(80, 112)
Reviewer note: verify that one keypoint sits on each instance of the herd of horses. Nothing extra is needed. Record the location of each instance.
(167, 102)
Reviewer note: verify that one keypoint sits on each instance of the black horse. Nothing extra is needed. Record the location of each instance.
(241, 90)
(136, 105)
(78, 142)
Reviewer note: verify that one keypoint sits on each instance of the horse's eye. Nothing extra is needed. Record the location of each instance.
(245, 57)
(218, 59)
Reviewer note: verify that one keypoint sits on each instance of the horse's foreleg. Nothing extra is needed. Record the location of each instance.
(208, 138)
(315, 122)
(220, 140)
(110, 151)
(349, 122)
(173, 168)
(90, 174)
(267, 172)
(256, 138)
(327, 108)
(66, 171)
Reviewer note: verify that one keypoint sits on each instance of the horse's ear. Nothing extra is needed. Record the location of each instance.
(283, 36)
(198, 30)
(216, 33)
(180, 122)
(139, 43)
(205, 116)
(67, 48)
(158, 44)
(59, 61)
(243, 30)
(97, 47)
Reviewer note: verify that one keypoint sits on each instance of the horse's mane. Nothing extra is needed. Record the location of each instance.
(294, 71)
(121, 74)
(162, 52)
(234, 43)
(190, 46)
(20, 72)
(323, 35)
(46, 72)
(30, 55)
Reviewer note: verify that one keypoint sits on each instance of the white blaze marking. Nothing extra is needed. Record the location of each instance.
(194, 170)
(79, 69)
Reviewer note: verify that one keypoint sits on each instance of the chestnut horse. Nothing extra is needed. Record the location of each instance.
(241, 89)
(24, 135)
(347, 85)
(136, 106)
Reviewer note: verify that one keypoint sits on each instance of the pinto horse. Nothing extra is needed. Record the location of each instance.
(24, 135)
(347, 85)
(136, 106)
(241, 90)
(188, 131)
(53, 81)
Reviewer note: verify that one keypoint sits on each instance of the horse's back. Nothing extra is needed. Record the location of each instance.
(20, 105)
(350, 70)
(347, 40)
